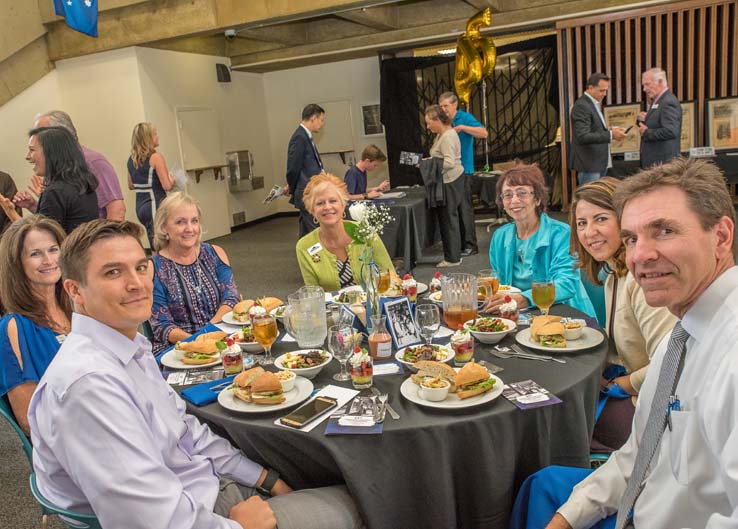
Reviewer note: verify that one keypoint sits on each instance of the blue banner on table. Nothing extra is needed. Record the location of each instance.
(81, 15)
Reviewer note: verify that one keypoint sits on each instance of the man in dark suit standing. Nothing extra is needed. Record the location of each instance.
(590, 138)
(661, 125)
(303, 162)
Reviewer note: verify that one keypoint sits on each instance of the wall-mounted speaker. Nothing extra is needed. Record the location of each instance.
(223, 73)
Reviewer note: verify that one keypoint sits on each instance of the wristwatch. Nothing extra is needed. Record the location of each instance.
(366, 195)
(269, 481)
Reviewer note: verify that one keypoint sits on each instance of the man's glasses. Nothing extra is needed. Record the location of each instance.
(522, 194)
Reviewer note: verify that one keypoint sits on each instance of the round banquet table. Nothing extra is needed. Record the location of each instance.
(435, 468)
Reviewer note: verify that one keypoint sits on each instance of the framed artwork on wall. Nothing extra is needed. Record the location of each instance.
(624, 116)
(371, 120)
(722, 123)
(687, 141)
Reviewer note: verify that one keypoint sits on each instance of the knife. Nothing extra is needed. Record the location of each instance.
(387, 406)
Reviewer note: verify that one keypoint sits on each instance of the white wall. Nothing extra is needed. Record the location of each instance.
(288, 91)
(102, 94)
(17, 118)
(172, 79)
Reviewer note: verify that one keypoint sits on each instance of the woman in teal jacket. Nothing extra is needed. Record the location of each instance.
(534, 244)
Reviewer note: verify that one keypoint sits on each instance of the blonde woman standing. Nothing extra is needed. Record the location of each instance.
(147, 175)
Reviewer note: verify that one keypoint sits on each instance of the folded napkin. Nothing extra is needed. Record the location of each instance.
(204, 393)
(209, 327)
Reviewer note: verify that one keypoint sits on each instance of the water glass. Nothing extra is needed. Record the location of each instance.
(427, 320)
(341, 345)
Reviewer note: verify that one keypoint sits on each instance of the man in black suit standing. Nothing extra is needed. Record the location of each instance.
(303, 162)
(661, 125)
(590, 138)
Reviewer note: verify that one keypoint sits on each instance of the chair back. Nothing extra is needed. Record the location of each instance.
(6, 412)
(70, 518)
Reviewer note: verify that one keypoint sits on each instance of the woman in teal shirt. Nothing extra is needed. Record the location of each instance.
(534, 244)
(327, 256)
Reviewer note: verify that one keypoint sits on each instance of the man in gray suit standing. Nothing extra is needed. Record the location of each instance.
(590, 139)
(661, 125)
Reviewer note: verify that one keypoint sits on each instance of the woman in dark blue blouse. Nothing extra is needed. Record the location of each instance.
(37, 310)
(193, 281)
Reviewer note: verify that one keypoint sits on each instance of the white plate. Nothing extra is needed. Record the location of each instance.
(401, 352)
(172, 359)
(228, 318)
(436, 297)
(589, 338)
(422, 288)
(409, 390)
(334, 299)
(302, 390)
(508, 289)
(273, 312)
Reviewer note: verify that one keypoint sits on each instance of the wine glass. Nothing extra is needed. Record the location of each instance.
(265, 332)
(543, 293)
(427, 319)
(341, 345)
(385, 281)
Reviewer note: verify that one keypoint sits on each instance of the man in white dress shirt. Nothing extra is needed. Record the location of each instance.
(677, 224)
(111, 437)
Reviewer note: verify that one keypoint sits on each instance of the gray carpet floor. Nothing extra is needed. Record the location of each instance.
(263, 261)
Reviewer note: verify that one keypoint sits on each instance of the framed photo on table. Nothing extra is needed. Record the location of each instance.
(400, 322)
(722, 123)
(624, 116)
(371, 120)
(687, 141)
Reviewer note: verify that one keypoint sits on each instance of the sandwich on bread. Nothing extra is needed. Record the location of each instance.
(267, 389)
(201, 350)
(433, 369)
(242, 383)
(241, 309)
(548, 331)
(473, 379)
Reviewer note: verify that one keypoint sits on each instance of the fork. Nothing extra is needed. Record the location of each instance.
(385, 405)
(525, 354)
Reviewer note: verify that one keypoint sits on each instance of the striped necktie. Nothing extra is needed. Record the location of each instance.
(657, 417)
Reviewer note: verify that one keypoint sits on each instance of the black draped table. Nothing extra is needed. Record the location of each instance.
(728, 164)
(434, 468)
(415, 227)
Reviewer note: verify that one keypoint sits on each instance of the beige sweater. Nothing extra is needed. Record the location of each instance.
(448, 147)
(638, 328)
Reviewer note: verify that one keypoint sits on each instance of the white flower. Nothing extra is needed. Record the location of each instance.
(357, 211)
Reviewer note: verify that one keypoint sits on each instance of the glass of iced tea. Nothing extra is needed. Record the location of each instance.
(459, 299)
(544, 293)
(385, 281)
(488, 277)
(265, 332)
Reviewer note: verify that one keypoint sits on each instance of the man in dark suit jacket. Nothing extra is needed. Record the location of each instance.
(590, 137)
(661, 126)
(303, 162)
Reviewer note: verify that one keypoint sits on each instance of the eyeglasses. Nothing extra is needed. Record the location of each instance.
(522, 194)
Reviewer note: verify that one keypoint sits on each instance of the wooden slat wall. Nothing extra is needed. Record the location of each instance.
(695, 41)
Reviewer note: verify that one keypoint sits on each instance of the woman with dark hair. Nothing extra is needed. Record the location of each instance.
(533, 245)
(447, 147)
(37, 309)
(148, 175)
(69, 187)
(634, 327)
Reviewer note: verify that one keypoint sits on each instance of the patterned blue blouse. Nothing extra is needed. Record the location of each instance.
(188, 296)
(38, 346)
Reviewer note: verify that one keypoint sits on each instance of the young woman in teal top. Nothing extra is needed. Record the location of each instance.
(37, 310)
(327, 256)
(533, 244)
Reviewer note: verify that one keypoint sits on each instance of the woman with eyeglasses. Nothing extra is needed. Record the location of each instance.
(533, 244)
(634, 327)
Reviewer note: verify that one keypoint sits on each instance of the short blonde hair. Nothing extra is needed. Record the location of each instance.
(320, 183)
(171, 203)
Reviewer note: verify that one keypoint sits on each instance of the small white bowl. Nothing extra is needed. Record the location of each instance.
(287, 379)
(492, 337)
(248, 347)
(278, 313)
(434, 394)
(576, 332)
(307, 372)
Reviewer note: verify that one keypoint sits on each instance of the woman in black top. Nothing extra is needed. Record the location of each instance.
(69, 186)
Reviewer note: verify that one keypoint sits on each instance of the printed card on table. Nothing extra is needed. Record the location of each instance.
(528, 394)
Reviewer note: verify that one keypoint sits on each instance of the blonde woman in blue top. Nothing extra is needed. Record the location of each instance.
(533, 244)
(37, 310)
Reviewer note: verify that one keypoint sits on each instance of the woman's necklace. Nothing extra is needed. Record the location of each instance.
(182, 272)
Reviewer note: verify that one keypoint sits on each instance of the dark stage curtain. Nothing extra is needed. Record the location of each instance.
(522, 106)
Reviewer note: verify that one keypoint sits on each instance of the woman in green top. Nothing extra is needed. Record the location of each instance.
(328, 257)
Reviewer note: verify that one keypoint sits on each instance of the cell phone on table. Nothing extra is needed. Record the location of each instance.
(307, 412)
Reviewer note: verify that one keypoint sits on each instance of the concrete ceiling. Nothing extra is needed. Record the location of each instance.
(268, 35)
